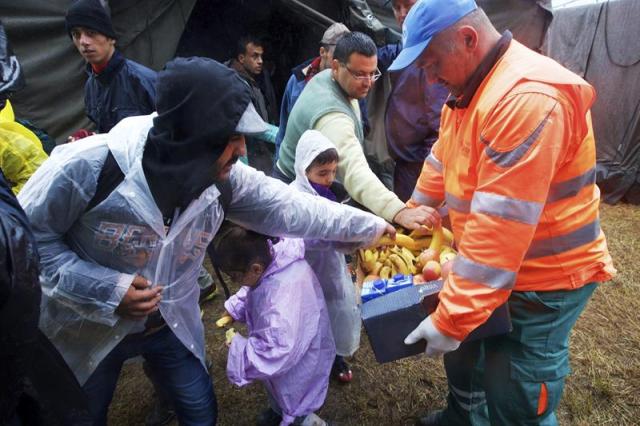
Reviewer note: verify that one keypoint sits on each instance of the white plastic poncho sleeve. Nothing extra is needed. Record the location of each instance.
(271, 207)
(54, 198)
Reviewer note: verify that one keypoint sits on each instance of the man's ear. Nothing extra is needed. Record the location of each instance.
(335, 64)
(469, 37)
(240, 58)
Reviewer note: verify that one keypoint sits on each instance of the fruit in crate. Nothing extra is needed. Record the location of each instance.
(431, 271)
(407, 254)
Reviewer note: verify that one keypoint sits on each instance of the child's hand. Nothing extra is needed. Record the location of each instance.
(224, 320)
(229, 336)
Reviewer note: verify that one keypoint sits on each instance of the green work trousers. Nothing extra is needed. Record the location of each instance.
(516, 378)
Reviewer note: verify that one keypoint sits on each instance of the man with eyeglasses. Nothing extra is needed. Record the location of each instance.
(329, 104)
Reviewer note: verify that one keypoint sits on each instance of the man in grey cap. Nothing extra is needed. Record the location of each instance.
(302, 73)
(121, 250)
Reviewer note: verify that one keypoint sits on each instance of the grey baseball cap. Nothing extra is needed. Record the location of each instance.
(333, 33)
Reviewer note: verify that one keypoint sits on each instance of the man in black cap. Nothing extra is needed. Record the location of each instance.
(117, 87)
(120, 250)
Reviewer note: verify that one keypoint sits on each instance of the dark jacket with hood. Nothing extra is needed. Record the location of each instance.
(37, 386)
(123, 89)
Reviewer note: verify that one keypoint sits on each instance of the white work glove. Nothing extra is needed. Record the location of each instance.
(437, 343)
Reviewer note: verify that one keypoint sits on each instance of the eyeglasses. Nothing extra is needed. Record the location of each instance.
(372, 76)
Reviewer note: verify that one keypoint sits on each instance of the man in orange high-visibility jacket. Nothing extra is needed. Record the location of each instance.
(515, 164)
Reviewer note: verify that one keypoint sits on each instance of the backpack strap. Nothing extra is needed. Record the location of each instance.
(110, 177)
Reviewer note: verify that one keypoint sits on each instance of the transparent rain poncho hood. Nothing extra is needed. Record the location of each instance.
(89, 258)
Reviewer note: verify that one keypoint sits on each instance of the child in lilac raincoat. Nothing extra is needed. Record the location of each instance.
(316, 166)
(290, 347)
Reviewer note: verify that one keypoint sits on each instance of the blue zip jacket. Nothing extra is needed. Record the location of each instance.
(123, 89)
(412, 115)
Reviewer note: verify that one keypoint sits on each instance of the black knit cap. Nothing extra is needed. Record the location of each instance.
(89, 14)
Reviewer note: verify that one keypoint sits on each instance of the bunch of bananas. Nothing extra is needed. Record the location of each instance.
(404, 255)
(388, 261)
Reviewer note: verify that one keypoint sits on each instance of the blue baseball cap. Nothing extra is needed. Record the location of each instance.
(426, 19)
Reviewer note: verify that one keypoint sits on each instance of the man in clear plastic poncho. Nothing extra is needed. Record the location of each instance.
(119, 275)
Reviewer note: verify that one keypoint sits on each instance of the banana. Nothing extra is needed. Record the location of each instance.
(400, 265)
(385, 272)
(370, 257)
(448, 235)
(401, 240)
(421, 232)
(361, 255)
(384, 254)
(437, 240)
(409, 259)
(229, 335)
(376, 269)
(407, 255)
(224, 320)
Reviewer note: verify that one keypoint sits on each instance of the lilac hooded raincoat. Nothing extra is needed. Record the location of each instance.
(290, 347)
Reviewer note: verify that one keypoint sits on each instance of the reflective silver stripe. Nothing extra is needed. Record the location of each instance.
(483, 274)
(424, 199)
(470, 407)
(508, 208)
(465, 394)
(467, 401)
(562, 243)
(509, 158)
(571, 187)
(458, 204)
(435, 163)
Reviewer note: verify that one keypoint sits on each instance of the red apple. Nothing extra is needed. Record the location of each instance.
(431, 271)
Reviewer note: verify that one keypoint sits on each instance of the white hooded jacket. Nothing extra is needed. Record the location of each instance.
(327, 258)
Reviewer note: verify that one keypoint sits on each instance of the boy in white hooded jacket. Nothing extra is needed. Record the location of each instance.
(316, 165)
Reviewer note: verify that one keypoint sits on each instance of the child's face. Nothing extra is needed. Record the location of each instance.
(250, 277)
(323, 174)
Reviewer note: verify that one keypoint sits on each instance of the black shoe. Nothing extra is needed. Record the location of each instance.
(341, 370)
(268, 418)
(161, 414)
(432, 419)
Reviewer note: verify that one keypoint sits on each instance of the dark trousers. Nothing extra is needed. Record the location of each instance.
(180, 374)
